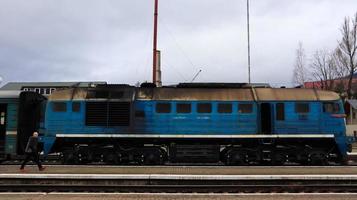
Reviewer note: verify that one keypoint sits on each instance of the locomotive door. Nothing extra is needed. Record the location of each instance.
(265, 118)
(3, 108)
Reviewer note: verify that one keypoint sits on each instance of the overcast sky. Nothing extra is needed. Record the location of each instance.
(111, 40)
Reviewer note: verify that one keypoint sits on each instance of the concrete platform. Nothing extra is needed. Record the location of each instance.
(176, 196)
(181, 170)
(175, 177)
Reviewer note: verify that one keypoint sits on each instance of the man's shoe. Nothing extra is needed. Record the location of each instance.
(42, 168)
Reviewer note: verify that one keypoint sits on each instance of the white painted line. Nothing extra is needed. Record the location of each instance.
(194, 136)
(26, 193)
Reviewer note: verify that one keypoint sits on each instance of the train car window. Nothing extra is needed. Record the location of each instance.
(330, 107)
(48, 91)
(2, 121)
(183, 108)
(224, 108)
(280, 111)
(163, 108)
(42, 91)
(59, 107)
(76, 107)
(204, 108)
(245, 108)
(302, 108)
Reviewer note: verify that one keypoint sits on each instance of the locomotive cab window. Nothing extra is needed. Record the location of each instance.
(183, 108)
(224, 108)
(204, 108)
(59, 107)
(76, 107)
(330, 107)
(245, 108)
(163, 108)
(302, 108)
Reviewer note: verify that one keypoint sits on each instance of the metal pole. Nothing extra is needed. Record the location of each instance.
(154, 58)
(248, 33)
(196, 75)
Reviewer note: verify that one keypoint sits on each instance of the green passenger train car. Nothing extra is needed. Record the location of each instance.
(9, 104)
(20, 114)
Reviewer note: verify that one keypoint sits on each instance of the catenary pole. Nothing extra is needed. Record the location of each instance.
(154, 59)
(248, 33)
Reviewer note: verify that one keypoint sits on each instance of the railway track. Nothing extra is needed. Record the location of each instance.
(178, 183)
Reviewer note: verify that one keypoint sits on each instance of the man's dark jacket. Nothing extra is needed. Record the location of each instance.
(31, 146)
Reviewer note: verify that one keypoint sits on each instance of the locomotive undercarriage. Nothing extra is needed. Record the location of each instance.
(227, 152)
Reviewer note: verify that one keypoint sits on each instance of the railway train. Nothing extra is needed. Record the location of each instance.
(234, 124)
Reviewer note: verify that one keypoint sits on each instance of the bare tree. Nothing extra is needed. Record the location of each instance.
(324, 69)
(340, 62)
(300, 75)
(348, 49)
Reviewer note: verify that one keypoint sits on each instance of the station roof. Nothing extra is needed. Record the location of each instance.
(353, 103)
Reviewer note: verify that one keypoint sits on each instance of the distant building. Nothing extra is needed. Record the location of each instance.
(351, 116)
(46, 88)
(338, 85)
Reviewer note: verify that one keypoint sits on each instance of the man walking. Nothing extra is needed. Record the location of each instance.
(31, 151)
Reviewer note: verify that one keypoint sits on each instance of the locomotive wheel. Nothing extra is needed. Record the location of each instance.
(342, 160)
(303, 158)
(69, 158)
(279, 158)
(318, 157)
(154, 159)
(152, 156)
(234, 157)
(111, 158)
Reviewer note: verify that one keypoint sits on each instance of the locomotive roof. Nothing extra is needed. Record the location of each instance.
(205, 94)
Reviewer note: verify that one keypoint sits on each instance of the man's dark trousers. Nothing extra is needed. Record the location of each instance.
(35, 158)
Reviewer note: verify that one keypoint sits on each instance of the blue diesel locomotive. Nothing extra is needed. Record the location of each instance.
(204, 123)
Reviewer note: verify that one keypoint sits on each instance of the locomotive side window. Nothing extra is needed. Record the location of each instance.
(76, 107)
(302, 108)
(329, 107)
(101, 94)
(139, 114)
(204, 108)
(280, 112)
(245, 108)
(117, 95)
(183, 108)
(224, 108)
(59, 107)
(163, 108)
